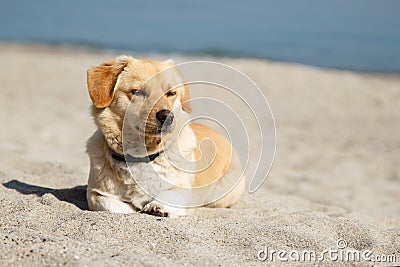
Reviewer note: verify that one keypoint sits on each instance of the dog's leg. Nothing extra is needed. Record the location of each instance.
(99, 202)
(176, 196)
(228, 199)
(227, 186)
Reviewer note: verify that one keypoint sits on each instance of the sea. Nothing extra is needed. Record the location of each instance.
(360, 35)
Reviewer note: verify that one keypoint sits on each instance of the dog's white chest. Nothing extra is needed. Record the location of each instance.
(172, 168)
(158, 176)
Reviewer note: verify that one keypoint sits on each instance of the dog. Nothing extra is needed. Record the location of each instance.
(146, 154)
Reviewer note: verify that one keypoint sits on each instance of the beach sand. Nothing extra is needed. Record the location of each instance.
(336, 174)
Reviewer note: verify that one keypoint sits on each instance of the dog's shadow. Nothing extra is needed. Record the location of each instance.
(75, 195)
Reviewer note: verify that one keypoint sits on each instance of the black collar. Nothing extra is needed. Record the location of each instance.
(128, 158)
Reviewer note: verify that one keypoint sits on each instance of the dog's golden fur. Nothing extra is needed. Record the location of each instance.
(140, 88)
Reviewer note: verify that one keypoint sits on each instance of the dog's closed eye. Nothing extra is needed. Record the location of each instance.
(170, 93)
(138, 92)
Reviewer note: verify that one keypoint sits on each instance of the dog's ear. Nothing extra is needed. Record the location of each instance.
(185, 100)
(101, 81)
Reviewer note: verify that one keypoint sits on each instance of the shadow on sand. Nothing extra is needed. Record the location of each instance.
(75, 195)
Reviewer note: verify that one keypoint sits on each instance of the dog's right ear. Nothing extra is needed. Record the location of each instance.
(101, 81)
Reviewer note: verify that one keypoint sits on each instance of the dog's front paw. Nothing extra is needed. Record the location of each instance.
(155, 209)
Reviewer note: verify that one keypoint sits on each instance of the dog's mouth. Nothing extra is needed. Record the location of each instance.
(153, 130)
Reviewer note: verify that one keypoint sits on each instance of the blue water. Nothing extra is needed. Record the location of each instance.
(358, 34)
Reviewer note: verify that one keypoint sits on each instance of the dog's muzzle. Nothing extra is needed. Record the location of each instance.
(165, 118)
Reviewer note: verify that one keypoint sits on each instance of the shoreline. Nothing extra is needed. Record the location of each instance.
(60, 46)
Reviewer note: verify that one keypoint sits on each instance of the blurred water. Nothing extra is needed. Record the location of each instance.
(358, 34)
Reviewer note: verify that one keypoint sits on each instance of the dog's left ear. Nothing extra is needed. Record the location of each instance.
(185, 100)
(101, 81)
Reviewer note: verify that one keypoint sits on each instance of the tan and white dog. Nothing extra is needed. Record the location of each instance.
(136, 163)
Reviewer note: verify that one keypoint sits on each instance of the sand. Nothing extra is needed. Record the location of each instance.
(336, 173)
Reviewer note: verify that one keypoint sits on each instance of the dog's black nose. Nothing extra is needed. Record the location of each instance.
(165, 116)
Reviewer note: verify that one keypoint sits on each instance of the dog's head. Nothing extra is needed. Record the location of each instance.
(146, 98)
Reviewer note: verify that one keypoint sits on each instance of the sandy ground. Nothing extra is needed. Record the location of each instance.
(336, 174)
